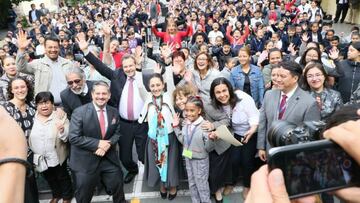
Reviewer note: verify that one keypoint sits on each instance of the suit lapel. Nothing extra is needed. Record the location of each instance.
(292, 103)
(110, 116)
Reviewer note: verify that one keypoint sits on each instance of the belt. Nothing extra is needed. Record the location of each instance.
(128, 121)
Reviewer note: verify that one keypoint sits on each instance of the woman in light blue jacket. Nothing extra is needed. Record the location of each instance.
(248, 77)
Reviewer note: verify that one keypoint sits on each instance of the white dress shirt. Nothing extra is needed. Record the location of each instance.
(138, 101)
(288, 95)
(245, 114)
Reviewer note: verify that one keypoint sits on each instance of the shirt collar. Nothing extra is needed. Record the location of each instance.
(197, 122)
(97, 109)
(50, 118)
(291, 93)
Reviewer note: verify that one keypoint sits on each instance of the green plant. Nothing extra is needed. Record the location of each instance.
(24, 22)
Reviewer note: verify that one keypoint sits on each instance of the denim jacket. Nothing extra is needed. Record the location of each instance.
(256, 82)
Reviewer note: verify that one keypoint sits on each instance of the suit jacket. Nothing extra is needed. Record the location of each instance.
(300, 107)
(117, 78)
(85, 134)
(71, 101)
(37, 13)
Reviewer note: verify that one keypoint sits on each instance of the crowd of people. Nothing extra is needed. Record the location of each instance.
(87, 83)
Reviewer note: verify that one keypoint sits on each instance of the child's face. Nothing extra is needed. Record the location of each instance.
(231, 64)
(291, 32)
(180, 101)
(237, 34)
(192, 112)
(260, 33)
(269, 46)
(156, 86)
(314, 28)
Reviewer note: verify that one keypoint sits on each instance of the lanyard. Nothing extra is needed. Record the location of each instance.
(191, 135)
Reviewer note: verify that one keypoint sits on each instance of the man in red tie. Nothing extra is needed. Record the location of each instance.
(93, 135)
(289, 102)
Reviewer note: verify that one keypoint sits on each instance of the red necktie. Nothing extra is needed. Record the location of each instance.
(130, 100)
(282, 107)
(102, 123)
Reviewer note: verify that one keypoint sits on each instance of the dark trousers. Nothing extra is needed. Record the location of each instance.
(31, 191)
(59, 181)
(243, 159)
(131, 131)
(341, 8)
(110, 176)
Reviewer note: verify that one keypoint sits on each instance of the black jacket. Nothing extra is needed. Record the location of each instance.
(71, 101)
(348, 78)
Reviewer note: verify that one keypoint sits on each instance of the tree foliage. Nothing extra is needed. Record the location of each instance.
(5, 5)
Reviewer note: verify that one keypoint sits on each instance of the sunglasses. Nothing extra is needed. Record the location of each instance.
(77, 81)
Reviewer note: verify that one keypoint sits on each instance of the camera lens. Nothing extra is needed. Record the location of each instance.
(280, 133)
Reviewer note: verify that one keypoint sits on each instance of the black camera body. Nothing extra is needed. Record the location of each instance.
(309, 165)
(282, 133)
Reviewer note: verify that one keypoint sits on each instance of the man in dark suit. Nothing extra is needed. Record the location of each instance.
(289, 103)
(78, 91)
(93, 135)
(34, 14)
(342, 6)
(128, 94)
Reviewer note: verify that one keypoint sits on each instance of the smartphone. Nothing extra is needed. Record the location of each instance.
(314, 167)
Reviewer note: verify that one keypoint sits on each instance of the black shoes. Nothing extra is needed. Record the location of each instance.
(163, 195)
(129, 177)
(172, 196)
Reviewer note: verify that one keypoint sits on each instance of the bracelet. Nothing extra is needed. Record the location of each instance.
(28, 166)
(16, 160)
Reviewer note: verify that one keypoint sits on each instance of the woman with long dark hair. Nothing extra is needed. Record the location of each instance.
(240, 108)
(20, 106)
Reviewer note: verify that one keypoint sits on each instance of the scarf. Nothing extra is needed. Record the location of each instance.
(159, 139)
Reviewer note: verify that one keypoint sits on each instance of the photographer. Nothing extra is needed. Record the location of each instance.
(270, 186)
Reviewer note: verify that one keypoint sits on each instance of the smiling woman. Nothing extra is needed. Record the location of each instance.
(10, 72)
(241, 110)
(47, 140)
(21, 107)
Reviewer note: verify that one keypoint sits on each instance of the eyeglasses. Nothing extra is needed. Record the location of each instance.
(77, 81)
(318, 75)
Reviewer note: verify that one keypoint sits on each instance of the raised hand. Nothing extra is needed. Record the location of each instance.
(246, 23)
(305, 37)
(106, 29)
(166, 50)
(81, 40)
(176, 120)
(188, 76)
(334, 54)
(22, 41)
(157, 68)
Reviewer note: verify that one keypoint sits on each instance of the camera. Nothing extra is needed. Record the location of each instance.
(282, 133)
(309, 165)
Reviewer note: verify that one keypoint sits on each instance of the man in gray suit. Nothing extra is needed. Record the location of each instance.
(289, 103)
(94, 133)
